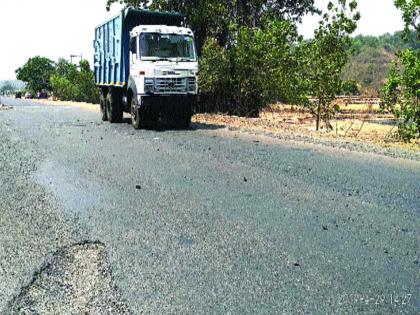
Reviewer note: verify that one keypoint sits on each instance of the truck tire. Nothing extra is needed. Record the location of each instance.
(143, 117)
(114, 106)
(185, 115)
(103, 101)
(135, 113)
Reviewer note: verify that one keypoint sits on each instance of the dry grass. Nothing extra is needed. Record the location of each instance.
(354, 123)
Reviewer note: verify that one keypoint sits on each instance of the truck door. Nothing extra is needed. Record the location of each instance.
(135, 64)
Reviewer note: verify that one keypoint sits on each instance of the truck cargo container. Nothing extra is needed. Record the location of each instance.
(146, 64)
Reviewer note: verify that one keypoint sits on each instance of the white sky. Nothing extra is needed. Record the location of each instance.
(60, 28)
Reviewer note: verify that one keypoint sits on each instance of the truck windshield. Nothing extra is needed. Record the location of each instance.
(156, 46)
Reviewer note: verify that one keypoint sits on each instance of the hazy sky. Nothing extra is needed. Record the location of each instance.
(60, 28)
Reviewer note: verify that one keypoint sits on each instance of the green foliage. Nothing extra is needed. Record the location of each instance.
(251, 54)
(85, 83)
(401, 94)
(350, 87)
(256, 71)
(212, 18)
(323, 59)
(36, 72)
(71, 84)
(214, 77)
(411, 14)
(62, 88)
(263, 66)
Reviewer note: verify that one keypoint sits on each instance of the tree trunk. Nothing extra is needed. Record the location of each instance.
(318, 115)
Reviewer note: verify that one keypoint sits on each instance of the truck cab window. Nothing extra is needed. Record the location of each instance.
(156, 45)
(133, 47)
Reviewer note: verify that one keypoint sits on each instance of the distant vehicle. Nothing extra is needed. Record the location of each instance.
(18, 95)
(146, 64)
(42, 95)
(28, 96)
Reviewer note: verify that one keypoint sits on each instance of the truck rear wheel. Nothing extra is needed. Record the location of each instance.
(114, 106)
(103, 107)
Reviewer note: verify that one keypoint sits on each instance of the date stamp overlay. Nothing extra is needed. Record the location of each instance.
(393, 300)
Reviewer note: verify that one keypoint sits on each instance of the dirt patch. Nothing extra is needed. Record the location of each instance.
(355, 124)
(75, 280)
(86, 106)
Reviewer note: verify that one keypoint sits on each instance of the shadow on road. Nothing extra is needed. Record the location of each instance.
(162, 126)
(201, 126)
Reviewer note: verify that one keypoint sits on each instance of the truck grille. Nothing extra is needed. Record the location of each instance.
(171, 85)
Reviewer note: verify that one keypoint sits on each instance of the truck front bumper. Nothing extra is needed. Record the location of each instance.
(168, 102)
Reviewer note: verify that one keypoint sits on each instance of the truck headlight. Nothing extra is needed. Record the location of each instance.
(149, 85)
(192, 84)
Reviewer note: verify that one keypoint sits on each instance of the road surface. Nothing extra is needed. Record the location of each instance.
(198, 221)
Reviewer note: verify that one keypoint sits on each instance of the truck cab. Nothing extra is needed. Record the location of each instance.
(163, 73)
(163, 60)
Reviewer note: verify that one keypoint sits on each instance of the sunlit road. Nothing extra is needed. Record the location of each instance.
(204, 221)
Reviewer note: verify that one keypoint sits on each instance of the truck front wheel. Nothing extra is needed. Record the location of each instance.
(184, 118)
(114, 108)
(135, 113)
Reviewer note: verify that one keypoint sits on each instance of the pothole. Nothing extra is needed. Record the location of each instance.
(75, 280)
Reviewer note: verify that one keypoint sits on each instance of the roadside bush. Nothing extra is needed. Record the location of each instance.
(70, 84)
(214, 78)
(265, 66)
(62, 88)
(401, 94)
(257, 70)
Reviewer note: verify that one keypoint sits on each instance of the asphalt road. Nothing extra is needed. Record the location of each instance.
(200, 221)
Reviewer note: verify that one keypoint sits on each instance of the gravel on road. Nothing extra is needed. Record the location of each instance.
(203, 220)
(41, 272)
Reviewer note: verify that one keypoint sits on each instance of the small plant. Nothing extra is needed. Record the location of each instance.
(322, 60)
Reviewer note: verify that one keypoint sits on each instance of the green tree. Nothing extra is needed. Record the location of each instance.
(36, 73)
(212, 18)
(69, 83)
(63, 88)
(401, 94)
(85, 84)
(264, 66)
(323, 59)
(411, 14)
(258, 70)
(214, 77)
(350, 88)
(245, 48)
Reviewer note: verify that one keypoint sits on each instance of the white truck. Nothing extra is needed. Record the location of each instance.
(146, 64)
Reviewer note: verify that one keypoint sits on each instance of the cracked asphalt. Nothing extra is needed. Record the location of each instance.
(199, 221)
